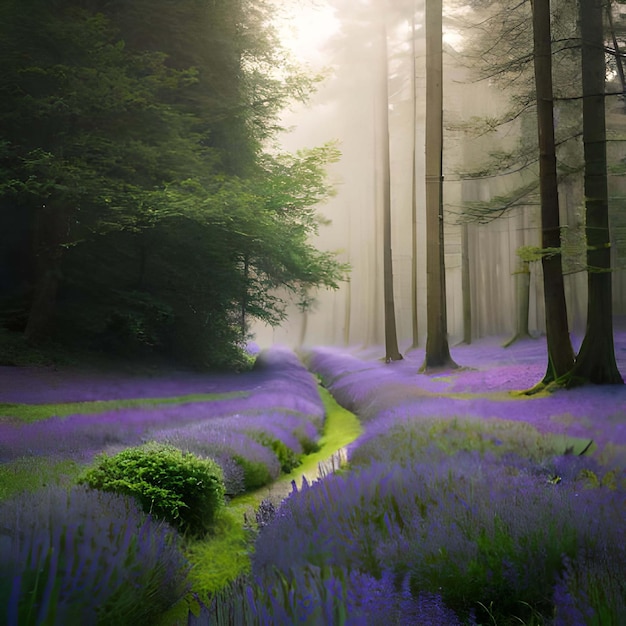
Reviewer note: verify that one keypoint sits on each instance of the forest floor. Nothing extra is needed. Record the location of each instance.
(482, 387)
(485, 385)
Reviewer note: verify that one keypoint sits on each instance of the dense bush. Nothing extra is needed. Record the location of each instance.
(178, 487)
(288, 459)
(86, 557)
(216, 440)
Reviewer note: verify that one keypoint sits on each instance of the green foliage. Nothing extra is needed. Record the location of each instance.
(223, 558)
(255, 473)
(34, 473)
(289, 460)
(175, 486)
(135, 194)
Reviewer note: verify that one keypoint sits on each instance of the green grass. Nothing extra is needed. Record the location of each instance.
(31, 474)
(36, 412)
(225, 554)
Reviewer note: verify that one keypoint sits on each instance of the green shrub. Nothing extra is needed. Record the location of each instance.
(176, 486)
(288, 459)
(255, 473)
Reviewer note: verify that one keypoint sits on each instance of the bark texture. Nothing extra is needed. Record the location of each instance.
(560, 351)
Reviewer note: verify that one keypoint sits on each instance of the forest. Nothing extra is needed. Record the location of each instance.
(312, 312)
(144, 207)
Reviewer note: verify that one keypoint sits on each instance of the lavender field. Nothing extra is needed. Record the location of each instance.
(463, 503)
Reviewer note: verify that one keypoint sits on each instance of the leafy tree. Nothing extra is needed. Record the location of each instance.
(140, 208)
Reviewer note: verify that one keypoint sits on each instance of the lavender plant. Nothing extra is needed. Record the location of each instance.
(259, 465)
(315, 596)
(85, 557)
(403, 438)
(591, 591)
(471, 527)
(284, 408)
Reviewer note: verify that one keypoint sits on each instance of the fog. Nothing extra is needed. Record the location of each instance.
(338, 37)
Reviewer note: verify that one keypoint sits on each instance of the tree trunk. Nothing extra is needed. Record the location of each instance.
(560, 352)
(596, 359)
(243, 321)
(522, 303)
(414, 319)
(437, 349)
(466, 285)
(391, 341)
(49, 234)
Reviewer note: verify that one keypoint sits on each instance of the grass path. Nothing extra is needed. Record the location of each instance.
(225, 555)
(36, 412)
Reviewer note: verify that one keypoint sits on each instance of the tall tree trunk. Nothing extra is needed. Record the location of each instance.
(243, 321)
(391, 341)
(596, 359)
(560, 352)
(414, 319)
(50, 233)
(437, 349)
(522, 303)
(466, 285)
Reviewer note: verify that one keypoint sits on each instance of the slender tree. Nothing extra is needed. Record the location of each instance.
(392, 353)
(596, 359)
(437, 349)
(414, 203)
(560, 352)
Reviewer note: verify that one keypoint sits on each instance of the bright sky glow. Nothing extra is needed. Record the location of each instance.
(306, 30)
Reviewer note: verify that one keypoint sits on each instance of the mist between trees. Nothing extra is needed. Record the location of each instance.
(153, 204)
(490, 167)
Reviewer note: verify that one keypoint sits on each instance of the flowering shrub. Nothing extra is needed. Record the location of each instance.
(591, 590)
(396, 391)
(258, 464)
(402, 439)
(85, 557)
(472, 528)
(322, 595)
(178, 487)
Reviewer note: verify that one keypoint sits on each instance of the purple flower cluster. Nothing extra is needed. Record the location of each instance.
(396, 391)
(322, 595)
(281, 405)
(232, 449)
(471, 527)
(85, 557)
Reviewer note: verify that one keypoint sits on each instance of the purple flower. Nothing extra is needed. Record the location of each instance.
(69, 554)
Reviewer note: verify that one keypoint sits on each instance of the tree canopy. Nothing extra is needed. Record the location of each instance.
(142, 207)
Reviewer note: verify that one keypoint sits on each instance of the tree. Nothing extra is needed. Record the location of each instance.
(391, 340)
(595, 361)
(414, 201)
(560, 352)
(135, 176)
(437, 350)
